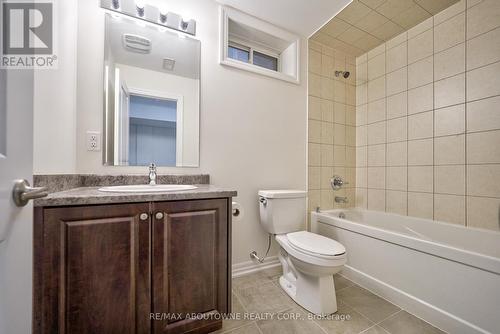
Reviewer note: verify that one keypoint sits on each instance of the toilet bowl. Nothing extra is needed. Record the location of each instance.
(309, 260)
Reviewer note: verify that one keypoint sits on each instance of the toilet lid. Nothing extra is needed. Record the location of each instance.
(315, 243)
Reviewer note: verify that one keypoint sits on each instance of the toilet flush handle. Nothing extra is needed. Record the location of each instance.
(263, 201)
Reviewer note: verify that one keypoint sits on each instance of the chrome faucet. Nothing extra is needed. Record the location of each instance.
(339, 199)
(152, 174)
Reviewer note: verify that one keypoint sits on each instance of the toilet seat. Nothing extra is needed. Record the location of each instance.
(315, 245)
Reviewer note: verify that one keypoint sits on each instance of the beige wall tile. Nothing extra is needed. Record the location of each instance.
(421, 27)
(420, 126)
(376, 177)
(339, 110)
(420, 46)
(339, 134)
(350, 135)
(362, 156)
(362, 177)
(483, 82)
(396, 202)
(376, 111)
(314, 131)
(361, 73)
(449, 62)
(362, 94)
(362, 135)
(326, 155)
(361, 114)
(483, 180)
(350, 156)
(315, 62)
(483, 212)
(395, 41)
(376, 133)
(449, 150)
(449, 121)
(397, 178)
(420, 179)
(327, 69)
(314, 154)
(326, 133)
(339, 93)
(339, 156)
(376, 155)
(449, 180)
(313, 177)
(484, 114)
(397, 81)
(421, 99)
(483, 147)
(420, 205)
(362, 59)
(327, 111)
(421, 152)
(376, 200)
(376, 89)
(449, 209)
(376, 66)
(397, 154)
(313, 45)
(449, 91)
(483, 18)
(314, 199)
(326, 201)
(449, 33)
(483, 49)
(361, 198)
(350, 115)
(397, 105)
(376, 51)
(314, 85)
(421, 72)
(326, 174)
(397, 129)
(326, 88)
(397, 57)
(314, 109)
(449, 12)
(350, 95)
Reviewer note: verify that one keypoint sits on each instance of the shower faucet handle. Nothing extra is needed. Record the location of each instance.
(337, 182)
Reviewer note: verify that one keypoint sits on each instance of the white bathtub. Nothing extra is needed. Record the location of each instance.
(446, 274)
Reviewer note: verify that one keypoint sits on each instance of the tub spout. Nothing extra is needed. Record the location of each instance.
(339, 199)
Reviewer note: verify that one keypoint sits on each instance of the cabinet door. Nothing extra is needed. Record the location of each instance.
(92, 272)
(190, 265)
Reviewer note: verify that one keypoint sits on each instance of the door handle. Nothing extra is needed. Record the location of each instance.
(23, 192)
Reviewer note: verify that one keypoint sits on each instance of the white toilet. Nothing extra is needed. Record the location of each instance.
(309, 260)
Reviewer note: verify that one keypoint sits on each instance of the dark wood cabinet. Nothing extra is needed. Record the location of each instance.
(132, 268)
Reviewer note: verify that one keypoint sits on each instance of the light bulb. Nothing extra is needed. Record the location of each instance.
(140, 4)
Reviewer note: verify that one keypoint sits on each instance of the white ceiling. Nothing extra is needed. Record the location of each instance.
(312, 14)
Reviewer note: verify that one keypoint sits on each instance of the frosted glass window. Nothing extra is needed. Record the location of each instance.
(238, 54)
(263, 60)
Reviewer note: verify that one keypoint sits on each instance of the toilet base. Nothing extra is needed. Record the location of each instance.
(314, 293)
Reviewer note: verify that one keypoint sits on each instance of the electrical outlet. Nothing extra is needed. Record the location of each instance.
(93, 141)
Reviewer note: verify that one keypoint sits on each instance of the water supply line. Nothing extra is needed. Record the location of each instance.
(254, 256)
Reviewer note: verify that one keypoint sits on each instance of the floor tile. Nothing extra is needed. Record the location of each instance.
(366, 303)
(265, 297)
(345, 321)
(375, 330)
(257, 278)
(238, 317)
(290, 322)
(405, 323)
(248, 329)
(341, 282)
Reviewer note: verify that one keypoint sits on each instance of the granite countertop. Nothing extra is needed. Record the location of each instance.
(91, 196)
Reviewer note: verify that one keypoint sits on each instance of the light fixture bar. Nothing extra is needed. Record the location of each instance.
(140, 10)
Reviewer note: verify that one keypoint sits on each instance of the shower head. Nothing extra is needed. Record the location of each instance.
(344, 74)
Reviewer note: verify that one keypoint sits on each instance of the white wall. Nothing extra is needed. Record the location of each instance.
(55, 101)
(253, 128)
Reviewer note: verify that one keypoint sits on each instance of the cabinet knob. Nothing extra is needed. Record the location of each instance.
(159, 215)
(144, 216)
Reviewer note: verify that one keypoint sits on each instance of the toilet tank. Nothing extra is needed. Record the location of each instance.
(282, 211)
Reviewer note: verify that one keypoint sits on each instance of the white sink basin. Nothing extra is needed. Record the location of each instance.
(146, 188)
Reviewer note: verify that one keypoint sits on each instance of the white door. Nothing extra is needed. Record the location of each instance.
(16, 223)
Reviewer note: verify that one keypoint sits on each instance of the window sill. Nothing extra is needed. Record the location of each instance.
(259, 70)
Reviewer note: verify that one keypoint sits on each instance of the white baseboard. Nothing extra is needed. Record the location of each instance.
(430, 313)
(245, 268)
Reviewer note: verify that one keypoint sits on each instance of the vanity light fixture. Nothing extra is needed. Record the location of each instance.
(145, 12)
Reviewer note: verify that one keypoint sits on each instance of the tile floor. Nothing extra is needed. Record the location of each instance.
(360, 311)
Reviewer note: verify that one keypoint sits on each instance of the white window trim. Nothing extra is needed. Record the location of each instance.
(225, 14)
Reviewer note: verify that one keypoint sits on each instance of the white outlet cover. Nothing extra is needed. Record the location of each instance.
(93, 141)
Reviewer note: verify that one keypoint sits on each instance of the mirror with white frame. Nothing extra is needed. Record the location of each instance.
(151, 95)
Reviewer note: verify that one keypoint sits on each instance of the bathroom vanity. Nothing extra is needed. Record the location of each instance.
(132, 263)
